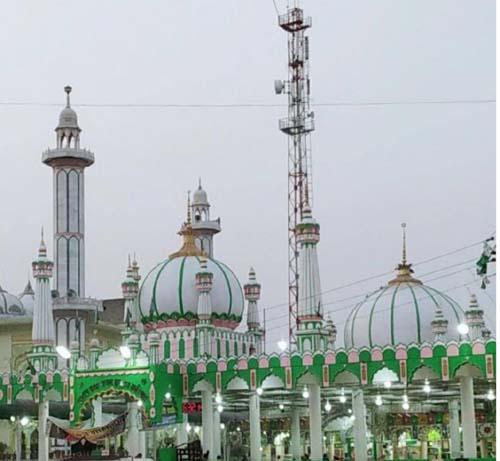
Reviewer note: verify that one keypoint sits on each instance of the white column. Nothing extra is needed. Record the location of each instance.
(181, 436)
(19, 441)
(360, 441)
(217, 447)
(255, 435)
(455, 449)
(315, 429)
(132, 443)
(468, 417)
(97, 411)
(295, 434)
(207, 421)
(43, 438)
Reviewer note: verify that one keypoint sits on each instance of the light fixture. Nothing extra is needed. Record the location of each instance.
(125, 352)
(238, 428)
(387, 384)
(490, 395)
(140, 403)
(63, 352)
(220, 408)
(405, 405)
(218, 398)
(281, 406)
(12, 419)
(328, 406)
(168, 396)
(463, 328)
(259, 391)
(197, 429)
(342, 398)
(188, 427)
(378, 400)
(427, 387)
(305, 393)
(349, 411)
(352, 417)
(282, 345)
(24, 421)
(222, 426)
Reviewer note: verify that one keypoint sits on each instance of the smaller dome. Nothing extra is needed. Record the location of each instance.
(27, 298)
(10, 304)
(200, 196)
(68, 118)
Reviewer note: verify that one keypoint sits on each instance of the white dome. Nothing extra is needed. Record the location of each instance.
(401, 312)
(168, 292)
(10, 304)
(68, 118)
(200, 196)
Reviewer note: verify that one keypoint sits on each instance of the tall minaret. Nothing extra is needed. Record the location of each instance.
(68, 161)
(311, 332)
(204, 228)
(252, 295)
(43, 355)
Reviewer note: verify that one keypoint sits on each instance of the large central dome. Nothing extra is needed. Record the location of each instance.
(168, 294)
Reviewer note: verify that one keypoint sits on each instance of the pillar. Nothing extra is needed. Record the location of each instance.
(207, 421)
(454, 429)
(19, 441)
(97, 412)
(255, 435)
(424, 449)
(27, 434)
(468, 417)
(132, 444)
(295, 434)
(181, 436)
(360, 441)
(43, 437)
(315, 429)
(217, 431)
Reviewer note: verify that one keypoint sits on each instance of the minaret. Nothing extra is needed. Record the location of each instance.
(204, 283)
(130, 290)
(439, 325)
(252, 295)
(43, 356)
(204, 229)
(68, 161)
(474, 317)
(311, 334)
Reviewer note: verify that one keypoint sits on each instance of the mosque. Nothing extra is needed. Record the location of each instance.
(176, 369)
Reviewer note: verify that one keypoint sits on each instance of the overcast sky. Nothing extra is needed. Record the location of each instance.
(431, 166)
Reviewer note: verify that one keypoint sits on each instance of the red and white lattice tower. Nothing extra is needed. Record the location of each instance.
(298, 126)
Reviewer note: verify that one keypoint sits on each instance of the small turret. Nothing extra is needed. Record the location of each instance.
(252, 295)
(130, 290)
(474, 317)
(439, 325)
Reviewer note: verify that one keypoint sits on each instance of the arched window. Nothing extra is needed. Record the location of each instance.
(166, 349)
(182, 348)
(196, 350)
(218, 348)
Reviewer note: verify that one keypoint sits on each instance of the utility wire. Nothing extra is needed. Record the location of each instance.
(247, 105)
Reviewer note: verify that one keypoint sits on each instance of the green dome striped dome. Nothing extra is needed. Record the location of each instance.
(169, 291)
(401, 312)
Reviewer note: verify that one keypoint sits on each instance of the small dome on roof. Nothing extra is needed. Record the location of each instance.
(200, 196)
(68, 117)
(10, 304)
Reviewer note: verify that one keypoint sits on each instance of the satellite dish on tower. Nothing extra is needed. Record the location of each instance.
(278, 86)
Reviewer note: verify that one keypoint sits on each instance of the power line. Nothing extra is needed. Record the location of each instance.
(247, 105)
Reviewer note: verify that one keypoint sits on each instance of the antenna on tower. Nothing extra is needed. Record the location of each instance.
(297, 126)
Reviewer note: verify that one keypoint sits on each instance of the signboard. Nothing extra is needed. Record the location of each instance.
(191, 407)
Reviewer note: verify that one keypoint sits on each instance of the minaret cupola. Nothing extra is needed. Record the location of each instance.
(474, 317)
(203, 227)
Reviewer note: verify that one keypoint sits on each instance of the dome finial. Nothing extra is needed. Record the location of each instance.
(199, 183)
(189, 208)
(67, 89)
(403, 226)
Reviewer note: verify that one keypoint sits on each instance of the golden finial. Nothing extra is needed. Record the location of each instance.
(403, 226)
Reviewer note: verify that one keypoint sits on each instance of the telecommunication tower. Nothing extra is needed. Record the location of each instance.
(297, 126)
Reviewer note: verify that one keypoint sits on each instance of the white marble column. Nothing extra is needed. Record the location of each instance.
(43, 438)
(217, 431)
(181, 435)
(454, 429)
(19, 441)
(97, 411)
(295, 434)
(468, 417)
(27, 434)
(207, 422)
(360, 441)
(132, 443)
(315, 429)
(255, 435)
